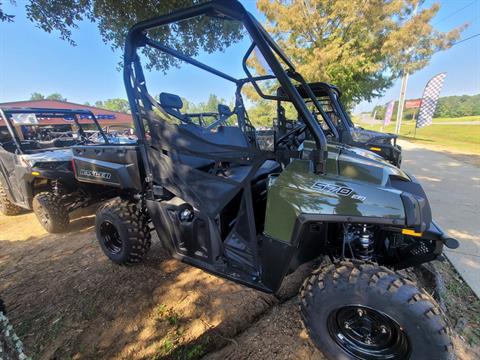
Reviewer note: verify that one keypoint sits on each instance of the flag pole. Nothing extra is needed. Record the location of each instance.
(403, 89)
(401, 101)
(414, 124)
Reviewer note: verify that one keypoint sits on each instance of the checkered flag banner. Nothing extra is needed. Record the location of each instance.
(388, 113)
(429, 100)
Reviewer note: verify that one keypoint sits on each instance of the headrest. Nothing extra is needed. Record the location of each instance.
(224, 110)
(171, 101)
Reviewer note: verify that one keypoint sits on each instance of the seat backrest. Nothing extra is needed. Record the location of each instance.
(171, 101)
(224, 110)
(224, 135)
(172, 104)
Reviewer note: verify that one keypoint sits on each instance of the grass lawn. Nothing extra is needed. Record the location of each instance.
(459, 119)
(454, 138)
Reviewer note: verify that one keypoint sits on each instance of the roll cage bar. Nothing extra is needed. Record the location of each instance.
(329, 91)
(66, 114)
(225, 9)
(306, 92)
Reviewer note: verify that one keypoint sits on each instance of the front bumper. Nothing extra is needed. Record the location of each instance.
(436, 233)
(428, 247)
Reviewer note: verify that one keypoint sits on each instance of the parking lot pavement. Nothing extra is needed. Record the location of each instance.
(453, 189)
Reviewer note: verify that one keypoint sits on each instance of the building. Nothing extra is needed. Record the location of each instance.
(105, 117)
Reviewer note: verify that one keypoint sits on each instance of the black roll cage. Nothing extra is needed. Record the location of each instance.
(309, 91)
(228, 9)
(331, 91)
(48, 113)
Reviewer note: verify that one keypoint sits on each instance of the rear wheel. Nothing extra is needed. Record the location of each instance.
(51, 212)
(355, 310)
(122, 231)
(6, 206)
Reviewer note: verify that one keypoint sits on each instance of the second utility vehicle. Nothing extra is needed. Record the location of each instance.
(219, 202)
(346, 132)
(36, 166)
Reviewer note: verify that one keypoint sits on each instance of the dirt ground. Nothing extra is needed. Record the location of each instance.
(67, 301)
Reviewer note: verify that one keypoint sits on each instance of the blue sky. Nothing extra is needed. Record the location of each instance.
(32, 60)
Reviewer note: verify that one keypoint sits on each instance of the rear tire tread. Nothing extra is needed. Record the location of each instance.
(58, 214)
(6, 206)
(136, 223)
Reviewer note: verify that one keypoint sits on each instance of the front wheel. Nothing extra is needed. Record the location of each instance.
(51, 212)
(354, 310)
(122, 231)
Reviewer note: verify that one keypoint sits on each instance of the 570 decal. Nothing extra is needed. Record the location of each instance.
(335, 189)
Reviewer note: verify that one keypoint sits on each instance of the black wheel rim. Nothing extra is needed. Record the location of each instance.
(368, 334)
(110, 237)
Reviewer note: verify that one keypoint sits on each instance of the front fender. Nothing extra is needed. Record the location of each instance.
(298, 193)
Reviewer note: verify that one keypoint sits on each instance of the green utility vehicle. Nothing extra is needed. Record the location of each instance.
(220, 203)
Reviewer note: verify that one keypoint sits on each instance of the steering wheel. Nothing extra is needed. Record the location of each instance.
(290, 140)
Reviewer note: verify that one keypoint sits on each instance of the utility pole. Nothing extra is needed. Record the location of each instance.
(403, 90)
(401, 102)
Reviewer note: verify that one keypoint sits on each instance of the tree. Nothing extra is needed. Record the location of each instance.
(114, 19)
(120, 105)
(37, 96)
(56, 96)
(53, 96)
(203, 107)
(447, 106)
(361, 46)
(5, 17)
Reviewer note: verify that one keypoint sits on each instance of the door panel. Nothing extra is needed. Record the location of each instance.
(8, 169)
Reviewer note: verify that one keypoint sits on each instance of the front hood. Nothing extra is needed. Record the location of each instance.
(361, 165)
(49, 156)
(363, 153)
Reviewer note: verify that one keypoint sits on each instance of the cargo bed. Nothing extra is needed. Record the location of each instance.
(111, 165)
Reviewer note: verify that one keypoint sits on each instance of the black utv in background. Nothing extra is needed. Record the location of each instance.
(36, 166)
(382, 144)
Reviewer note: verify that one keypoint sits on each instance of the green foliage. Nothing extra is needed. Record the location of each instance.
(407, 113)
(195, 352)
(360, 46)
(120, 105)
(448, 106)
(263, 113)
(37, 96)
(114, 19)
(54, 96)
(456, 106)
(5, 17)
(210, 106)
(167, 346)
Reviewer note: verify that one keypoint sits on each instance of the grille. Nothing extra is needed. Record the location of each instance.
(420, 250)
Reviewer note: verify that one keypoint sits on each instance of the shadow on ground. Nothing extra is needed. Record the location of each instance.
(66, 299)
